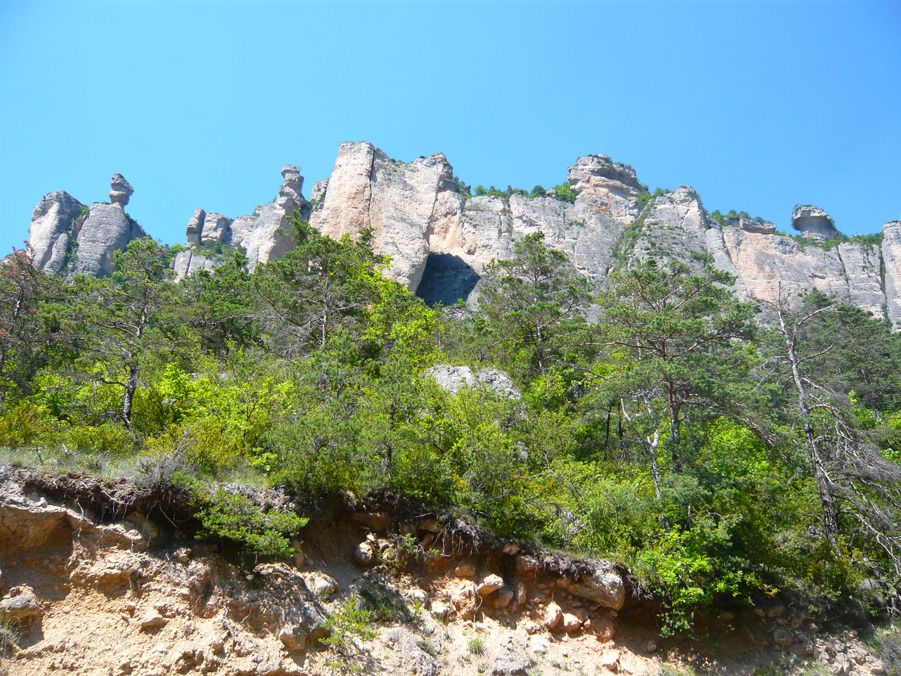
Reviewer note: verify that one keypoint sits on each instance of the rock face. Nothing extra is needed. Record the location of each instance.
(440, 239)
(367, 189)
(891, 260)
(54, 225)
(266, 234)
(68, 237)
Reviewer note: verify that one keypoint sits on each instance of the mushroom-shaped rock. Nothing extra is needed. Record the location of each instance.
(814, 222)
(120, 190)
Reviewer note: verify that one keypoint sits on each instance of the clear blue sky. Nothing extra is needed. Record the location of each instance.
(757, 105)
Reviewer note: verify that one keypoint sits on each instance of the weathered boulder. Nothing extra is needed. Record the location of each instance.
(456, 378)
(20, 604)
(604, 586)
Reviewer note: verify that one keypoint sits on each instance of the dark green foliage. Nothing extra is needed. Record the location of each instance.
(564, 192)
(232, 516)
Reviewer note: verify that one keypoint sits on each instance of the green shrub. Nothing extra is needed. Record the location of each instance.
(232, 516)
(108, 438)
(564, 192)
(27, 425)
(349, 621)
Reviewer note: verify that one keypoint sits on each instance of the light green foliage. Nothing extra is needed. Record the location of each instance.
(348, 622)
(232, 516)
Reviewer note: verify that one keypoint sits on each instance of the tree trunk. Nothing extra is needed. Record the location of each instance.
(830, 515)
(131, 386)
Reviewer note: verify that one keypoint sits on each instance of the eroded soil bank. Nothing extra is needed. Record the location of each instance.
(104, 577)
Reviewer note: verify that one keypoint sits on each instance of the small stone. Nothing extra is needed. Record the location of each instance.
(604, 629)
(441, 610)
(293, 640)
(510, 549)
(490, 584)
(502, 598)
(466, 570)
(526, 566)
(553, 616)
(520, 596)
(783, 637)
(809, 650)
(364, 554)
(610, 660)
(571, 623)
(21, 604)
(539, 645)
(651, 647)
(152, 620)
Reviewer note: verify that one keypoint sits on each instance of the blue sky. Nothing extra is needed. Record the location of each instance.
(758, 106)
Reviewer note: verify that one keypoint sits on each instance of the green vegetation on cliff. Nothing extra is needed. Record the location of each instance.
(721, 460)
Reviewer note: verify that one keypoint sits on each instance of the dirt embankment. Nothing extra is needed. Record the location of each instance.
(105, 578)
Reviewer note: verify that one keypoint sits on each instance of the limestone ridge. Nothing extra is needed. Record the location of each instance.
(68, 237)
(263, 235)
(440, 238)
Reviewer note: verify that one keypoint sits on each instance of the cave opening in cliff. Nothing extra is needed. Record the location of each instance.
(446, 279)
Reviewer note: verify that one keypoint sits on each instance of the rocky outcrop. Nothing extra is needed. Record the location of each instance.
(54, 227)
(106, 230)
(768, 265)
(263, 235)
(68, 237)
(814, 222)
(456, 378)
(208, 227)
(266, 234)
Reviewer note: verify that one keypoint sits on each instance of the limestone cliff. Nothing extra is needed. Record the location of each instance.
(440, 238)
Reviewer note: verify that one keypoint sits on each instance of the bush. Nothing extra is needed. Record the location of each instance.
(27, 425)
(108, 439)
(564, 192)
(232, 516)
